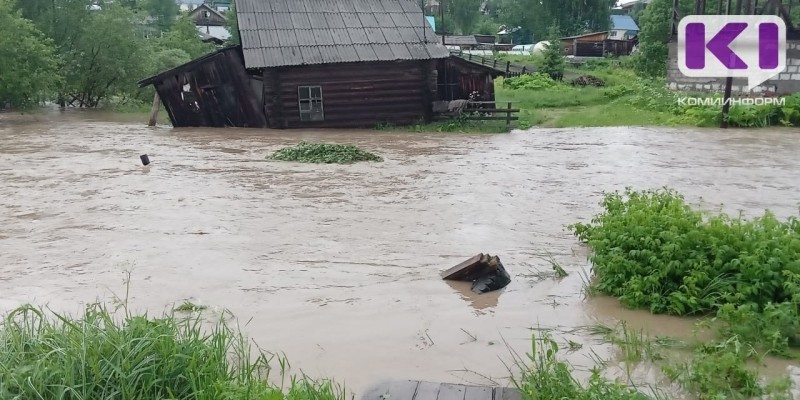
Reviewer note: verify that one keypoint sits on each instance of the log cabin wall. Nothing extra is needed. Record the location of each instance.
(361, 94)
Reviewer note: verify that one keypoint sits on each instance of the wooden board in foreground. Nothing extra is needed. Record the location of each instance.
(421, 390)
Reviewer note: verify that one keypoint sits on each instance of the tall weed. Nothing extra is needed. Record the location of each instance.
(98, 356)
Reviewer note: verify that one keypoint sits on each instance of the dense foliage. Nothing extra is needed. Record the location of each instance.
(98, 356)
(322, 153)
(68, 52)
(28, 67)
(650, 249)
(573, 16)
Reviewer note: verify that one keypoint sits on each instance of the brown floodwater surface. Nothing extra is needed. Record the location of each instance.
(337, 266)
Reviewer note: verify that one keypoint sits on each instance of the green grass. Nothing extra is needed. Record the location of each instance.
(615, 114)
(455, 125)
(99, 356)
(545, 377)
(323, 153)
(628, 100)
(188, 306)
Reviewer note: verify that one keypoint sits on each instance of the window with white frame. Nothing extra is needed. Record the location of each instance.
(310, 101)
(612, 34)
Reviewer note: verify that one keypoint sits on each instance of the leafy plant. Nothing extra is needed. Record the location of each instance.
(535, 81)
(322, 153)
(650, 249)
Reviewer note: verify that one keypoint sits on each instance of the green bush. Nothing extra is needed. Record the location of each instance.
(536, 81)
(322, 153)
(615, 92)
(650, 249)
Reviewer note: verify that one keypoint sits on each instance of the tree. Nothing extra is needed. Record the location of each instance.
(28, 68)
(553, 63)
(464, 13)
(165, 12)
(572, 16)
(655, 24)
(107, 59)
(233, 25)
(184, 36)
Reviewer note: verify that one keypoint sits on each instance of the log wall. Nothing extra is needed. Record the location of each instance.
(353, 94)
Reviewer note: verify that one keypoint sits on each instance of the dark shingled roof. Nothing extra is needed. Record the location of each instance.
(459, 40)
(278, 33)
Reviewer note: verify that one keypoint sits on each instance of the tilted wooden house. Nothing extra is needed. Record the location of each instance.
(312, 63)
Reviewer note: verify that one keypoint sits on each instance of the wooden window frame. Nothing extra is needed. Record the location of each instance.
(310, 103)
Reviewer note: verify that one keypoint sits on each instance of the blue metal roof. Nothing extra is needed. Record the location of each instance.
(623, 22)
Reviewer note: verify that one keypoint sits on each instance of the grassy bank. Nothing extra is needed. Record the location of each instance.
(99, 356)
(650, 249)
(625, 99)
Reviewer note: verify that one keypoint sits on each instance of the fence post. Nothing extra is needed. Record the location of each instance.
(523, 70)
(470, 56)
(494, 65)
(508, 66)
(508, 114)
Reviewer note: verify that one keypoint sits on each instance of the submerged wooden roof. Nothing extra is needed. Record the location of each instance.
(277, 33)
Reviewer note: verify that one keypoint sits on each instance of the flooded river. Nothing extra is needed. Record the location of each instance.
(338, 266)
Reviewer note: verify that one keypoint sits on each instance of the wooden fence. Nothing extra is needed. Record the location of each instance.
(508, 68)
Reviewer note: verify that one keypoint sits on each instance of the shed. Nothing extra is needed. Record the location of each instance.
(213, 90)
(586, 45)
(340, 63)
(460, 78)
(466, 42)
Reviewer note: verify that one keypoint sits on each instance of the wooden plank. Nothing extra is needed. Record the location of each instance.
(154, 110)
(478, 393)
(503, 110)
(492, 118)
(511, 394)
(377, 391)
(462, 270)
(402, 390)
(427, 391)
(497, 393)
(451, 392)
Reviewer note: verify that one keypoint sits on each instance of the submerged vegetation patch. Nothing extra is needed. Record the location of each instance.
(323, 153)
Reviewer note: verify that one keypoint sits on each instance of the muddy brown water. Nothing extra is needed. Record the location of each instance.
(338, 266)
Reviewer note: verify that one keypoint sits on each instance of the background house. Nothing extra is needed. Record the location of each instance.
(188, 5)
(335, 63)
(211, 23)
(623, 27)
(217, 5)
(630, 6)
